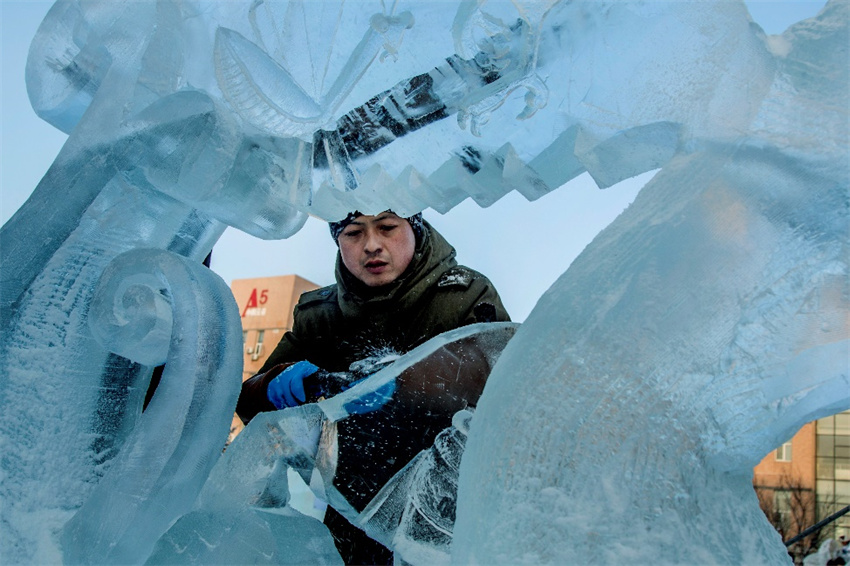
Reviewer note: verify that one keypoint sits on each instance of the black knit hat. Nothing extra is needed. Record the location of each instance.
(415, 222)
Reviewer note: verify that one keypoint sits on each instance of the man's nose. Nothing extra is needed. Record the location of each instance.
(372, 243)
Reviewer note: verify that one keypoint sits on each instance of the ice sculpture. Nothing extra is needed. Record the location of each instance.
(695, 333)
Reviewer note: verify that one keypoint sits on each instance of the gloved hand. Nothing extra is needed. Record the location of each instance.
(287, 389)
(371, 401)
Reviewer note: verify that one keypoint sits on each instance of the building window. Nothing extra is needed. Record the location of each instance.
(833, 470)
(782, 504)
(783, 453)
(260, 336)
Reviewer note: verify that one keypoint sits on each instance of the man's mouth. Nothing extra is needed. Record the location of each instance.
(375, 266)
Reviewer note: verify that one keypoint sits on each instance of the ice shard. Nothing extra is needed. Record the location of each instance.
(694, 334)
(242, 515)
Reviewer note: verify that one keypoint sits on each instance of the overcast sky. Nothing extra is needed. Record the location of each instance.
(522, 247)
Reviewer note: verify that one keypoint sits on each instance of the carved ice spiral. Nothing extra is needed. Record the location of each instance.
(170, 305)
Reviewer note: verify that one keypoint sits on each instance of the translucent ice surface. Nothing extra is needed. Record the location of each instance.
(698, 331)
(242, 515)
(706, 324)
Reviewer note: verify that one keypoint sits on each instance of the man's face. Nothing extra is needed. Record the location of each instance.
(377, 249)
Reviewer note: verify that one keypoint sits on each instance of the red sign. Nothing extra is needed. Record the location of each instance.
(254, 302)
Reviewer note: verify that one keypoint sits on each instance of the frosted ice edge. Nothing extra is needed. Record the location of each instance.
(767, 126)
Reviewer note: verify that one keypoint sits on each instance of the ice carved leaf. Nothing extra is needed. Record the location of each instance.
(265, 81)
(263, 92)
(303, 37)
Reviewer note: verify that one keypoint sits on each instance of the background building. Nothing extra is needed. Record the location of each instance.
(266, 305)
(807, 479)
(833, 470)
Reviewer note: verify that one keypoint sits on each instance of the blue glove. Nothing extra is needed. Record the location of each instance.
(287, 389)
(371, 401)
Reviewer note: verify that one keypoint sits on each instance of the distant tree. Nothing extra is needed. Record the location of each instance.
(791, 508)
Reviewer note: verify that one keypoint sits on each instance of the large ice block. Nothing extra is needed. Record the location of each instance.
(694, 334)
(697, 332)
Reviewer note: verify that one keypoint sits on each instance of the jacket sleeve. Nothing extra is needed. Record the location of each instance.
(253, 398)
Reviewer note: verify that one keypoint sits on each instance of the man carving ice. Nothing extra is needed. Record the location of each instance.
(397, 285)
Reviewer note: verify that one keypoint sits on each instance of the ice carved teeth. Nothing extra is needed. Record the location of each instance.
(485, 177)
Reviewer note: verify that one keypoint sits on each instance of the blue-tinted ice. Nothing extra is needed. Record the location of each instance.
(706, 324)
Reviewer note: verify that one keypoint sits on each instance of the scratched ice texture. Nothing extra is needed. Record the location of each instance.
(243, 513)
(695, 333)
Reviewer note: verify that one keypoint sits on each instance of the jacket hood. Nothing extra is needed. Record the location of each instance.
(433, 257)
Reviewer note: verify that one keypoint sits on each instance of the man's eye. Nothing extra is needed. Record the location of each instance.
(351, 233)
(388, 227)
